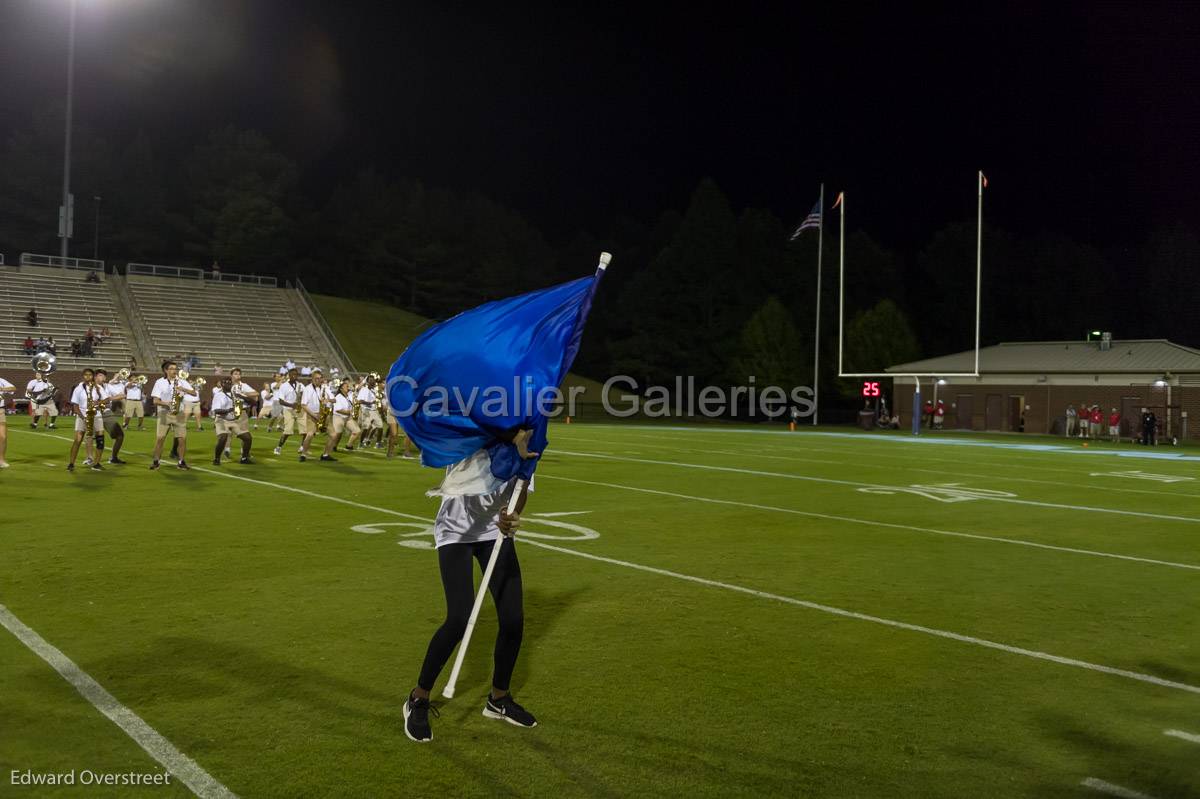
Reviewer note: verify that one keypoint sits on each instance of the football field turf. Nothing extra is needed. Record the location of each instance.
(709, 612)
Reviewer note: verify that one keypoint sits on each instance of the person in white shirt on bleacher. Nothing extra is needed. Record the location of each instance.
(166, 389)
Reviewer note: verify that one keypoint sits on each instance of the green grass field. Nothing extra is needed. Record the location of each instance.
(725, 613)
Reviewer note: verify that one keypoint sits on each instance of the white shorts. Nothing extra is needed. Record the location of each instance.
(1114, 429)
(97, 424)
(46, 407)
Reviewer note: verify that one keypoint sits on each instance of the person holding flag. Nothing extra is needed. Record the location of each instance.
(522, 345)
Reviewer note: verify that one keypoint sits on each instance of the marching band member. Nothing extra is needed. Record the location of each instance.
(230, 417)
(40, 393)
(372, 422)
(110, 393)
(168, 395)
(243, 395)
(191, 407)
(310, 404)
(287, 399)
(5, 388)
(134, 405)
(264, 412)
(341, 420)
(85, 401)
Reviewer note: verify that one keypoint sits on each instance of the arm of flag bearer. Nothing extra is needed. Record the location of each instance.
(513, 352)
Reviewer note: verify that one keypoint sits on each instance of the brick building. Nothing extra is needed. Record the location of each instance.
(1037, 380)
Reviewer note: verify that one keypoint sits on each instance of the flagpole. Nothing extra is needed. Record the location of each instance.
(978, 269)
(817, 333)
(841, 275)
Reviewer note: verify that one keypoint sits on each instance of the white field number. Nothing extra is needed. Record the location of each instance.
(942, 492)
(1135, 474)
(422, 538)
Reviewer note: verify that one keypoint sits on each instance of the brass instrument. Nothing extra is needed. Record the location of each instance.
(122, 375)
(238, 405)
(198, 382)
(176, 396)
(43, 364)
(323, 416)
(140, 380)
(89, 424)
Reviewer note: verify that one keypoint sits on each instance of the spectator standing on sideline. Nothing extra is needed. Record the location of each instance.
(1114, 426)
(939, 414)
(1072, 420)
(1085, 418)
(927, 413)
(1097, 422)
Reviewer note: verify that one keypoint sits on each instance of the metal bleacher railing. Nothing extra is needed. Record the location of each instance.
(191, 273)
(312, 307)
(57, 261)
(158, 270)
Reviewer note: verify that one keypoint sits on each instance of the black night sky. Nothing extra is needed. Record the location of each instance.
(1084, 117)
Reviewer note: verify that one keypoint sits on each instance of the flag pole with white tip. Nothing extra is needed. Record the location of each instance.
(817, 333)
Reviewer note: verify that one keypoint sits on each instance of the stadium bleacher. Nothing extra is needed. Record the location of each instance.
(254, 327)
(67, 305)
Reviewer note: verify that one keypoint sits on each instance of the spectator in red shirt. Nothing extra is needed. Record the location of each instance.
(939, 415)
(927, 412)
(1085, 419)
(28, 345)
(1114, 426)
(1097, 421)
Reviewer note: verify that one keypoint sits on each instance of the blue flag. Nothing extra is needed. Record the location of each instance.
(464, 384)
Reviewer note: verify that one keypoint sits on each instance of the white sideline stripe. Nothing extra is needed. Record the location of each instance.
(1132, 675)
(832, 481)
(851, 614)
(908, 468)
(872, 523)
(1186, 736)
(178, 764)
(1113, 790)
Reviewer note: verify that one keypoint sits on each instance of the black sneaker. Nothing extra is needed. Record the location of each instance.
(328, 458)
(33, 426)
(416, 719)
(70, 467)
(154, 466)
(116, 461)
(52, 427)
(96, 467)
(216, 462)
(183, 466)
(303, 458)
(507, 708)
(245, 460)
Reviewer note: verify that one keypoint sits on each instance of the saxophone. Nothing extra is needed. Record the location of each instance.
(237, 404)
(89, 424)
(326, 412)
(176, 397)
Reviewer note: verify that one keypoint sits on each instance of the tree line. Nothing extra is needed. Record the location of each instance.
(708, 290)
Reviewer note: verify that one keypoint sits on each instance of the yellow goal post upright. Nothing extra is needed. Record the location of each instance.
(915, 377)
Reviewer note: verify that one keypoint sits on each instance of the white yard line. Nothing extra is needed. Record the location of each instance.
(859, 463)
(178, 764)
(1185, 736)
(1113, 790)
(852, 483)
(872, 523)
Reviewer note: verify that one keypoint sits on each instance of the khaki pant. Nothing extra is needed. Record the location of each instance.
(344, 423)
(50, 406)
(293, 421)
(371, 419)
(233, 426)
(171, 423)
(135, 408)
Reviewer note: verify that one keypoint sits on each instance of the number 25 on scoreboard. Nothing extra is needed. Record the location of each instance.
(870, 388)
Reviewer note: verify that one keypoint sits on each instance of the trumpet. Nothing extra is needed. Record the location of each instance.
(140, 380)
(198, 382)
(122, 375)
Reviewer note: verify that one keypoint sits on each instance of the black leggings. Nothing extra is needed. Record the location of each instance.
(458, 582)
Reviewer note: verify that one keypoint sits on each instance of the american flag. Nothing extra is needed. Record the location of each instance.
(813, 220)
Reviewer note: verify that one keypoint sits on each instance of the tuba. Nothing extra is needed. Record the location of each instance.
(44, 363)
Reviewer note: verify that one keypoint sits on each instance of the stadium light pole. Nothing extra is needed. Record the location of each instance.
(66, 210)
